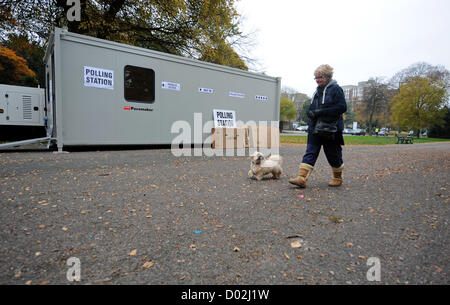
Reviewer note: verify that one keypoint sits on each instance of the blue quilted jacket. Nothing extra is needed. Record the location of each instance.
(331, 100)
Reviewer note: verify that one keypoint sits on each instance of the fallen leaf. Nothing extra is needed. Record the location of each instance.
(336, 219)
(148, 265)
(17, 274)
(132, 252)
(438, 269)
(236, 249)
(296, 244)
(65, 228)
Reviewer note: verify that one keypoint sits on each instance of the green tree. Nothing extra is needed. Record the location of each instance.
(442, 131)
(223, 54)
(200, 29)
(304, 111)
(287, 109)
(349, 115)
(420, 104)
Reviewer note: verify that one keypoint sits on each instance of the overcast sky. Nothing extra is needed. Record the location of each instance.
(358, 38)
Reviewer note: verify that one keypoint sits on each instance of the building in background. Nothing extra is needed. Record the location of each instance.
(299, 99)
(354, 94)
(350, 92)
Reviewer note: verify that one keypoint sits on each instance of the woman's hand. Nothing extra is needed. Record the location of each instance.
(314, 114)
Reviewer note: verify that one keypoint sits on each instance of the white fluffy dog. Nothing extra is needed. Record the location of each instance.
(261, 166)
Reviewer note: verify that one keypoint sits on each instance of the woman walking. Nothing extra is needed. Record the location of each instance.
(327, 106)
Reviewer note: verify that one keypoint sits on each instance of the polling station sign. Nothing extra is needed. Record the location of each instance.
(224, 118)
(98, 78)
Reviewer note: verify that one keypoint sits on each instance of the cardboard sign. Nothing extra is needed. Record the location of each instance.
(224, 118)
(264, 136)
(98, 78)
(229, 138)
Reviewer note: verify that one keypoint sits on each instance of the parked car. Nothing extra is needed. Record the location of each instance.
(302, 128)
(347, 131)
(383, 132)
(359, 132)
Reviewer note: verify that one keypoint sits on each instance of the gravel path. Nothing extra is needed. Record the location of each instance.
(147, 217)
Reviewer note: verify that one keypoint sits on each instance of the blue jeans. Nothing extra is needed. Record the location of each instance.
(332, 149)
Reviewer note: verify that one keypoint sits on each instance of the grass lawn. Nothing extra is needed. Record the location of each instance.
(360, 140)
(350, 140)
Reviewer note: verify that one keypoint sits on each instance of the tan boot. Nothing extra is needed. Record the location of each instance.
(337, 176)
(305, 171)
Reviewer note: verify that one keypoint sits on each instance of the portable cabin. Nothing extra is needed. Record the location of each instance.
(106, 93)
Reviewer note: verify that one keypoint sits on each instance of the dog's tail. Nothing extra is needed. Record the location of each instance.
(277, 158)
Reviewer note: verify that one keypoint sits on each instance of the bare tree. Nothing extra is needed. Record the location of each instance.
(374, 103)
(421, 69)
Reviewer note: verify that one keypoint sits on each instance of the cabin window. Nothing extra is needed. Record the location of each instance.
(139, 84)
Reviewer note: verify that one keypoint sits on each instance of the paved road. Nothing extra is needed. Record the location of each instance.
(147, 217)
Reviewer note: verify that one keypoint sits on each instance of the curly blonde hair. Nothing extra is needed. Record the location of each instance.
(325, 70)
